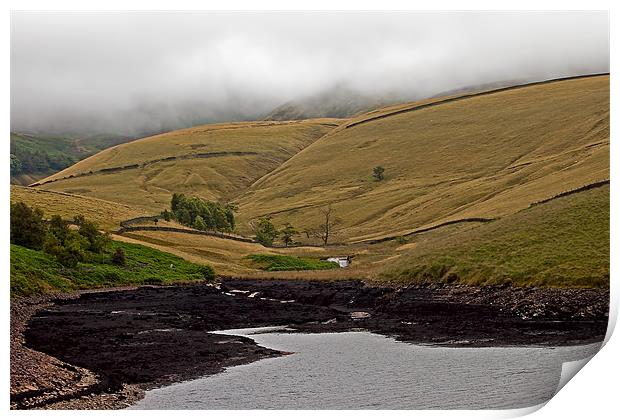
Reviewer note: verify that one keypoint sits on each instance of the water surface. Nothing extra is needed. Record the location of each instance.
(361, 370)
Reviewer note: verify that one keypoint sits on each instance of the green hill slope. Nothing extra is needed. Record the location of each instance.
(563, 242)
(36, 157)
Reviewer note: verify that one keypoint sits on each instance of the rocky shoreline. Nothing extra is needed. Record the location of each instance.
(39, 380)
(102, 350)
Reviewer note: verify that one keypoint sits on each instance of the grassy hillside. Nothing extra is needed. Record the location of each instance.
(106, 214)
(563, 242)
(462, 158)
(214, 162)
(35, 272)
(226, 256)
(36, 157)
(483, 156)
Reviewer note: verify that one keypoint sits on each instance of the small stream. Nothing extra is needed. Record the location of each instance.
(362, 370)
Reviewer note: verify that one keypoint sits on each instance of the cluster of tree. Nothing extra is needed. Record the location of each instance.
(69, 242)
(266, 233)
(201, 214)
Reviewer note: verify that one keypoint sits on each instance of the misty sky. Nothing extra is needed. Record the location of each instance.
(136, 72)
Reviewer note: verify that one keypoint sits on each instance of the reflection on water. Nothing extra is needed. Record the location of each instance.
(361, 370)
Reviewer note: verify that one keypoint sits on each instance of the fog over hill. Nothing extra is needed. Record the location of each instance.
(145, 72)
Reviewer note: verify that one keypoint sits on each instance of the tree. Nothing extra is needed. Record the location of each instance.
(97, 241)
(68, 246)
(174, 202)
(166, 215)
(266, 232)
(199, 223)
(69, 251)
(184, 217)
(330, 222)
(231, 208)
(377, 173)
(27, 226)
(287, 234)
(58, 228)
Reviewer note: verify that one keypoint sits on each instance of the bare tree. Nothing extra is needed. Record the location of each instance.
(330, 222)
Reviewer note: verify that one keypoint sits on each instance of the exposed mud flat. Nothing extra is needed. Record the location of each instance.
(151, 336)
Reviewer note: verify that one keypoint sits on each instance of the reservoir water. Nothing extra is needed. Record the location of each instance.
(361, 370)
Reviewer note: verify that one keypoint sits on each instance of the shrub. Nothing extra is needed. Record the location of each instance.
(58, 228)
(401, 240)
(377, 173)
(69, 251)
(207, 272)
(97, 241)
(153, 280)
(27, 226)
(118, 258)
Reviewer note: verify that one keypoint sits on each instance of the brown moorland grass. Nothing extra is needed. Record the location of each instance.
(214, 162)
(225, 255)
(229, 257)
(487, 156)
(106, 214)
(563, 242)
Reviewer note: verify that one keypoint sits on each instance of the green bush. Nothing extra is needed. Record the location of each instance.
(69, 247)
(377, 173)
(118, 258)
(207, 272)
(27, 226)
(153, 281)
(97, 241)
(69, 250)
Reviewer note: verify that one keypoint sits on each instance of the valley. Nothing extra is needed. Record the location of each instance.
(478, 220)
(457, 171)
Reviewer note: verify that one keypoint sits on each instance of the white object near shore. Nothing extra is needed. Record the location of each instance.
(342, 261)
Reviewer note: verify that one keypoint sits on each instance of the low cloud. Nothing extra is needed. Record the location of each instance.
(139, 72)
